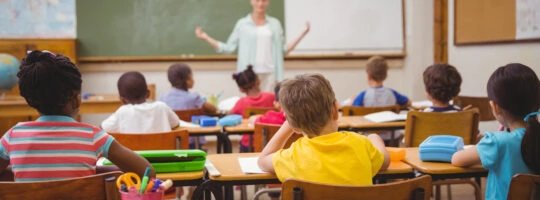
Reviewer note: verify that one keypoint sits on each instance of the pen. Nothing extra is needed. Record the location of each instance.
(157, 182)
(149, 187)
(144, 180)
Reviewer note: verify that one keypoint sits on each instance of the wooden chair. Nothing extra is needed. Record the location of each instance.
(175, 139)
(256, 111)
(263, 133)
(152, 91)
(524, 186)
(417, 188)
(482, 103)
(99, 186)
(421, 125)
(361, 110)
(185, 115)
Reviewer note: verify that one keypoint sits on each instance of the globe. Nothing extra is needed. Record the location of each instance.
(9, 65)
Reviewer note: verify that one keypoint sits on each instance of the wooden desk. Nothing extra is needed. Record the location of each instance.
(440, 170)
(359, 123)
(232, 174)
(14, 106)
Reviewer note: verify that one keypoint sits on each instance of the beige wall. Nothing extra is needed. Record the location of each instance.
(347, 77)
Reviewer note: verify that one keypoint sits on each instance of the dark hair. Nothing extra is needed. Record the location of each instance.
(246, 79)
(377, 68)
(516, 89)
(178, 75)
(48, 81)
(276, 90)
(132, 87)
(442, 81)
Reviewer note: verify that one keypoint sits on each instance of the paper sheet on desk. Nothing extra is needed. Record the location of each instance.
(188, 125)
(386, 116)
(249, 165)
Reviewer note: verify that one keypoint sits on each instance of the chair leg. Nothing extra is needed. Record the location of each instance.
(449, 192)
(477, 190)
(243, 192)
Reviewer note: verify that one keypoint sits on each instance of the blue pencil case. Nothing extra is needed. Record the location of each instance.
(230, 120)
(440, 148)
(204, 120)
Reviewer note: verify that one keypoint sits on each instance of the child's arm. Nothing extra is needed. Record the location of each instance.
(379, 144)
(466, 157)
(128, 161)
(3, 165)
(209, 108)
(276, 143)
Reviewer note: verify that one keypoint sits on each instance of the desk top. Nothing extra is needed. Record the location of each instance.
(413, 158)
(243, 127)
(203, 130)
(181, 176)
(359, 122)
(229, 167)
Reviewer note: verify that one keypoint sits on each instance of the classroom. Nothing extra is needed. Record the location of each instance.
(412, 36)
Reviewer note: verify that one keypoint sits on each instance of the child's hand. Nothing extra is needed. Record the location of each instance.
(200, 33)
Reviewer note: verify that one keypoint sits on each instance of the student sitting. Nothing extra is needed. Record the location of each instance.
(179, 98)
(55, 146)
(248, 83)
(514, 96)
(442, 82)
(323, 155)
(271, 116)
(137, 115)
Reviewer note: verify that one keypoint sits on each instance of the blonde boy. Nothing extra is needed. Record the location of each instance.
(323, 155)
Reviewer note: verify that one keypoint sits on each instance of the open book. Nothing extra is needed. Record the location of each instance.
(386, 116)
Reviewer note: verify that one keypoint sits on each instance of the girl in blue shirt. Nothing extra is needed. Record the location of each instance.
(514, 94)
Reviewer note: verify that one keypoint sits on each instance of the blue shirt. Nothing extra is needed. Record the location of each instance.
(379, 97)
(179, 99)
(244, 37)
(500, 153)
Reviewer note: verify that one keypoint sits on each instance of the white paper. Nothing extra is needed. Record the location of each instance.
(527, 19)
(188, 124)
(228, 103)
(385, 116)
(249, 165)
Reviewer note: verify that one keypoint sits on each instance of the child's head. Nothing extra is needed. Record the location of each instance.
(277, 105)
(514, 94)
(132, 88)
(309, 103)
(247, 79)
(377, 68)
(180, 76)
(50, 83)
(442, 82)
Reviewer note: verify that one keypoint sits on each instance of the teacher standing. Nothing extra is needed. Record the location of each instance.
(260, 42)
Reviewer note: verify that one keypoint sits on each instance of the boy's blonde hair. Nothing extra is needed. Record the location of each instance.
(307, 101)
(377, 68)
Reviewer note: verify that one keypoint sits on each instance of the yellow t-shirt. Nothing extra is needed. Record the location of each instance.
(337, 158)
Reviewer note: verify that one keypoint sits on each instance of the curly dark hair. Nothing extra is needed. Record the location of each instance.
(178, 75)
(246, 79)
(442, 82)
(48, 81)
(132, 87)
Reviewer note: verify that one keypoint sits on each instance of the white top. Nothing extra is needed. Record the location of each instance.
(263, 61)
(149, 117)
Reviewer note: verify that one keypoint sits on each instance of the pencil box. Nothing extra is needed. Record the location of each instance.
(203, 120)
(440, 148)
(184, 160)
(230, 120)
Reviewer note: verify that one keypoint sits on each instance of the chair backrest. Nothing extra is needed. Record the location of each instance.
(524, 186)
(421, 125)
(263, 133)
(482, 103)
(99, 186)
(256, 111)
(151, 91)
(361, 110)
(417, 188)
(185, 115)
(175, 139)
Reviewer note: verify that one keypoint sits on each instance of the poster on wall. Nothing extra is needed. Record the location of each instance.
(527, 19)
(37, 19)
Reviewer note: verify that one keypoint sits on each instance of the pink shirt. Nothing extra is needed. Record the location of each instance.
(264, 99)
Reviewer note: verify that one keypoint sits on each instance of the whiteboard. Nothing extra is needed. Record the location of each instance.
(345, 26)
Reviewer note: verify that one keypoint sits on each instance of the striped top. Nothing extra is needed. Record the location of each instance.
(52, 148)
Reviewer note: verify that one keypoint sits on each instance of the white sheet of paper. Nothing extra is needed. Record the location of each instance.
(249, 165)
(188, 124)
(386, 116)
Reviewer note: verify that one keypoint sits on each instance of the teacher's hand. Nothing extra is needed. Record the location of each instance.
(200, 33)
(308, 26)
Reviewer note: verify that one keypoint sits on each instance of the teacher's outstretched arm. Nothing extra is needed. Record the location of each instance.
(203, 36)
(293, 44)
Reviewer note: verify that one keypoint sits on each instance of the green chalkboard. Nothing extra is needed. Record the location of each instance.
(113, 28)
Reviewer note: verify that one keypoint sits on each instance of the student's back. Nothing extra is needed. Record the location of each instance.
(55, 146)
(137, 115)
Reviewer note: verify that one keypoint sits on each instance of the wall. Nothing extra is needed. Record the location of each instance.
(348, 78)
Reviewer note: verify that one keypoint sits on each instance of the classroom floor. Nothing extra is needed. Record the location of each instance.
(461, 192)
